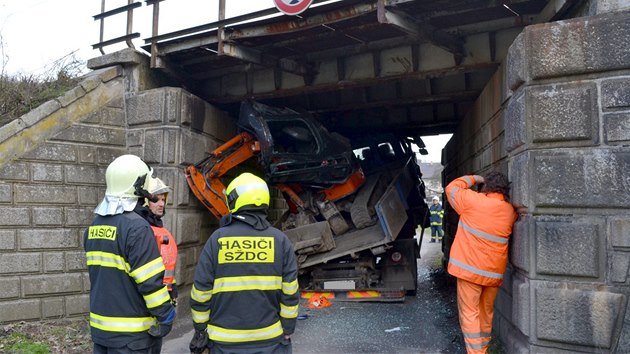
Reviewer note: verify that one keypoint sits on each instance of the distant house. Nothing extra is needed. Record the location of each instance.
(432, 176)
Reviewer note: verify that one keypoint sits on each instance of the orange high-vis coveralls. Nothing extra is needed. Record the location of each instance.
(168, 251)
(478, 257)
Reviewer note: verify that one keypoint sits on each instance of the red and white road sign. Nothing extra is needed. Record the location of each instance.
(292, 7)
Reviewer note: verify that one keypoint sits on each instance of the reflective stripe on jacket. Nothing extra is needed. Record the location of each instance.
(245, 289)
(168, 251)
(125, 269)
(479, 252)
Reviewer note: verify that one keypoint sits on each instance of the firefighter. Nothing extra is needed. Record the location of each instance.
(153, 213)
(130, 309)
(245, 293)
(437, 213)
(479, 254)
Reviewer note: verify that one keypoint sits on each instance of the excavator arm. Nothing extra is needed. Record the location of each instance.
(204, 178)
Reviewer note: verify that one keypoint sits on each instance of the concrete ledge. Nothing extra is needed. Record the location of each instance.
(124, 56)
(46, 121)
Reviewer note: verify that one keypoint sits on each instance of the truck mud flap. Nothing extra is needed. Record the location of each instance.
(373, 295)
(391, 213)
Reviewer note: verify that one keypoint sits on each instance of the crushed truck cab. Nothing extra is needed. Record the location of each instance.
(353, 204)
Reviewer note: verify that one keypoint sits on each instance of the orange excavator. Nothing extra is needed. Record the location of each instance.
(294, 151)
(337, 216)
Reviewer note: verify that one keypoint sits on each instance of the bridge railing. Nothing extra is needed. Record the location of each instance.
(128, 9)
(156, 37)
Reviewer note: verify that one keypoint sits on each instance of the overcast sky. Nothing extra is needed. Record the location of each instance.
(38, 32)
(35, 33)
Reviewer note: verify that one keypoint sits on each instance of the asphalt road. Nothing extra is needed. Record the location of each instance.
(425, 323)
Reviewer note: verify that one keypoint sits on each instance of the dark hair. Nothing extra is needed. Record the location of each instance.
(496, 182)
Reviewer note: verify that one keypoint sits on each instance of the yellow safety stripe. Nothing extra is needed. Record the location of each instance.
(288, 311)
(157, 298)
(200, 316)
(228, 284)
(148, 270)
(290, 288)
(121, 324)
(244, 335)
(200, 295)
(363, 294)
(107, 259)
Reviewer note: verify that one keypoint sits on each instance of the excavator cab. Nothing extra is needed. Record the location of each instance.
(296, 147)
(297, 154)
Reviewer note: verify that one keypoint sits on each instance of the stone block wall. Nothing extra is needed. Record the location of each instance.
(170, 129)
(566, 131)
(562, 106)
(52, 176)
(52, 166)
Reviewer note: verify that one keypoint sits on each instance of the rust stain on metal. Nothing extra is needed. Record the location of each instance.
(329, 17)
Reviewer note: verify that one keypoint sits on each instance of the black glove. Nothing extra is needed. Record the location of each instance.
(199, 342)
(164, 326)
(173, 291)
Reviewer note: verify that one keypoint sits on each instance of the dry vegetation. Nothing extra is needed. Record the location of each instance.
(22, 92)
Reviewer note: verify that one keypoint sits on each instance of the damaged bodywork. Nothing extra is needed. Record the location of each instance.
(353, 205)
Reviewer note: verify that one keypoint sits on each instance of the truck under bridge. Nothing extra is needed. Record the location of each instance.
(536, 89)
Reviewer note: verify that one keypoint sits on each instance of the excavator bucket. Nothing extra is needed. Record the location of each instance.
(204, 178)
(211, 199)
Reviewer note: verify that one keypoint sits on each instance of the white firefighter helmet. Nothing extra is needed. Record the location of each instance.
(435, 197)
(127, 179)
(157, 187)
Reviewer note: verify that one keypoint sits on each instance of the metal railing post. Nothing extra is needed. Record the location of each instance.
(131, 5)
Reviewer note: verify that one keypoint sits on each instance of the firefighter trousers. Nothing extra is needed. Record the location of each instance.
(476, 308)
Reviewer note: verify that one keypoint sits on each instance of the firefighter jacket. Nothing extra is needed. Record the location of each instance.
(126, 270)
(437, 213)
(245, 291)
(479, 253)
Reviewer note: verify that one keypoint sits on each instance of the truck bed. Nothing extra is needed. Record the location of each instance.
(391, 219)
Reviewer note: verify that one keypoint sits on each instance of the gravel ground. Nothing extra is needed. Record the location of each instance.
(425, 323)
